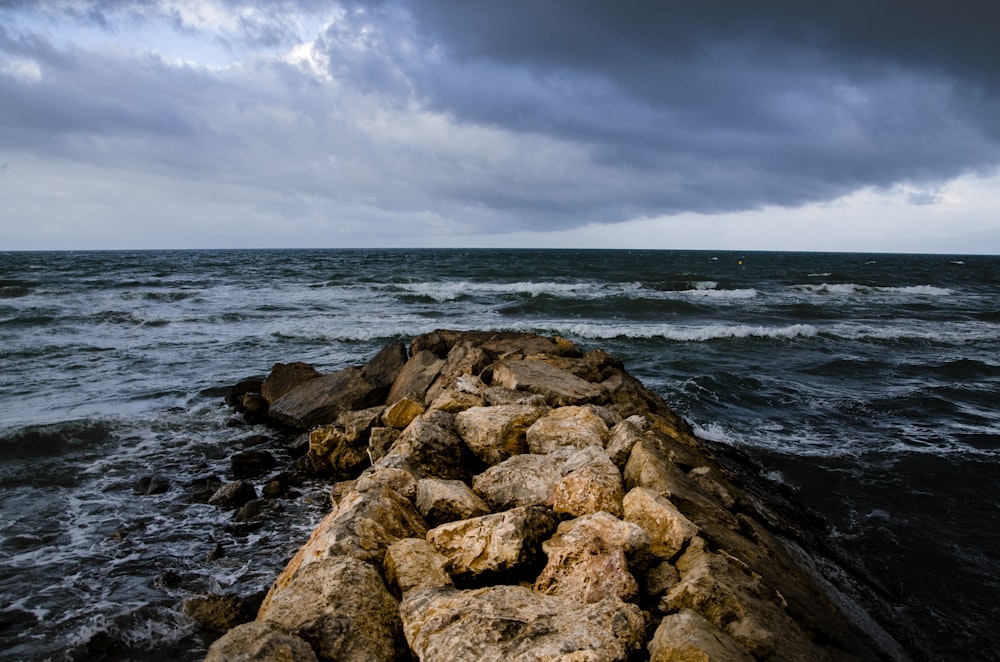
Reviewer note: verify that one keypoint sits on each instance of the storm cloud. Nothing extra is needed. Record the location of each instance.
(372, 118)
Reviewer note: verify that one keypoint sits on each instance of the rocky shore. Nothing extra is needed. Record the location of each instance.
(504, 496)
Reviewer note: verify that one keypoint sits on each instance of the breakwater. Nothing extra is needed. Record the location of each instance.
(505, 495)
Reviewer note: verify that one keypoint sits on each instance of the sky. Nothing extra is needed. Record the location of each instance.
(855, 125)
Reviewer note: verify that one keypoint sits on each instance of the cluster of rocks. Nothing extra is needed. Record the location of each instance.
(508, 496)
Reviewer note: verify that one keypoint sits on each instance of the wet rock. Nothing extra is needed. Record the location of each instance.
(219, 612)
(319, 401)
(151, 485)
(559, 387)
(284, 377)
(256, 509)
(339, 605)
(588, 559)
(201, 489)
(235, 393)
(494, 434)
(500, 623)
(441, 501)
(260, 641)
(234, 494)
(496, 543)
(251, 463)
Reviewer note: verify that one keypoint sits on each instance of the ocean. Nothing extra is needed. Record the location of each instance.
(866, 385)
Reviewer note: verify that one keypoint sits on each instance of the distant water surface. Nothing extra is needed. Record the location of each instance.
(868, 383)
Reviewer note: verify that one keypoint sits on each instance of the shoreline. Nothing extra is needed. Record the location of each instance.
(691, 552)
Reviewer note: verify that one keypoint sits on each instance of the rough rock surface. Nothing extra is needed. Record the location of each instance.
(507, 496)
(501, 623)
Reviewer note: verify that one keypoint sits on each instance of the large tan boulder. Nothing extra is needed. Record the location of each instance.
(259, 641)
(596, 486)
(494, 434)
(502, 623)
(530, 479)
(464, 359)
(495, 543)
(559, 387)
(687, 637)
(441, 501)
(578, 427)
(588, 559)
(414, 563)
(363, 525)
(668, 529)
(340, 605)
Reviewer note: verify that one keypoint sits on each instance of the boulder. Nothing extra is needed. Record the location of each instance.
(494, 434)
(440, 501)
(589, 489)
(530, 479)
(429, 449)
(501, 395)
(284, 377)
(383, 369)
(320, 400)
(413, 563)
(415, 377)
(220, 612)
(578, 427)
(688, 637)
(734, 599)
(234, 494)
(342, 608)
(496, 543)
(337, 451)
(251, 463)
(464, 359)
(668, 529)
(400, 481)
(402, 412)
(588, 559)
(501, 623)
(259, 641)
(558, 386)
(623, 437)
(363, 525)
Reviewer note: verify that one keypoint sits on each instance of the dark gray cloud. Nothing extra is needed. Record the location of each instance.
(734, 104)
(520, 114)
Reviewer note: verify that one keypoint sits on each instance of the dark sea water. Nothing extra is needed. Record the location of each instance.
(869, 384)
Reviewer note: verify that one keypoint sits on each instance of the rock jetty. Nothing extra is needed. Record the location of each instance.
(506, 496)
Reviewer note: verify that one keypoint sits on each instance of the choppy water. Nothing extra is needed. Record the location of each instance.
(869, 383)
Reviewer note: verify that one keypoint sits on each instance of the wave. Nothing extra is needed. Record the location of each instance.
(699, 333)
(849, 289)
(445, 291)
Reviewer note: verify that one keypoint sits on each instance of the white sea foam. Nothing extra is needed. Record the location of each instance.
(923, 290)
(701, 333)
